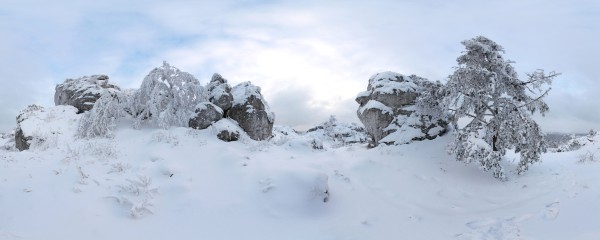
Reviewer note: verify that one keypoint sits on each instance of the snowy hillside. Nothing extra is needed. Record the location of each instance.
(183, 183)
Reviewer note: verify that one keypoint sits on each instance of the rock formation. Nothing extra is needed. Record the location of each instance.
(244, 104)
(251, 111)
(82, 92)
(219, 92)
(206, 114)
(388, 111)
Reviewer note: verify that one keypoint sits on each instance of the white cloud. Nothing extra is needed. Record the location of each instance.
(311, 58)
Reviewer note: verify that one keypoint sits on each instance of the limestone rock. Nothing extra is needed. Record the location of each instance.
(206, 114)
(387, 109)
(227, 130)
(251, 111)
(82, 92)
(220, 92)
(22, 141)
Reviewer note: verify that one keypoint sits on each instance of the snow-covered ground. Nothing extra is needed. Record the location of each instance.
(186, 184)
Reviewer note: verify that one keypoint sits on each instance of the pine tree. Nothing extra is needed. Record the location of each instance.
(487, 94)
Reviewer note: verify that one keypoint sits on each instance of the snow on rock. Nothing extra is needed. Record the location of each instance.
(227, 130)
(206, 114)
(251, 111)
(388, 106)
(83, 92)
(42, 128)
(220, 92)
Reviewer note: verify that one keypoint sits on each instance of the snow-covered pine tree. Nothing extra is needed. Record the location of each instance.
(485, 93)
(167, 97)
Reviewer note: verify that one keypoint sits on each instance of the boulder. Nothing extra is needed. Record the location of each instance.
(227, 130)
(219, 92)
(388, 109)
(251, 111)
(22, 140)
(82, 92)
(206, 114)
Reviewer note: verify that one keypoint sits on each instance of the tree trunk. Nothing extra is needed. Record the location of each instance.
(494, 139)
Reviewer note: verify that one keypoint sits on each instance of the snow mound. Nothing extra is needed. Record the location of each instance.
(330, 134)
(42, 128)
(297, 190)
(335, 134)
(228, 130)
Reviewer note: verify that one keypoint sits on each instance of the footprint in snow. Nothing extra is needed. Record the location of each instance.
(492, 229)
(551, 211)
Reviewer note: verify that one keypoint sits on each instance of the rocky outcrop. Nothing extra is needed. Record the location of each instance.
(388, 111)
(251, 111)
(206, 114)
(22, 141)
(82, 92)
(244, 104)
(219, 92)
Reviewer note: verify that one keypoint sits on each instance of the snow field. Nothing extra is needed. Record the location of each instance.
(186, 184)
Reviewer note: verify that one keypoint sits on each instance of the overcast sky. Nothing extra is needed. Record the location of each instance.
(310, 58)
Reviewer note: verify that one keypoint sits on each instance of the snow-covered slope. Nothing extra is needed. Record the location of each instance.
(183, 183)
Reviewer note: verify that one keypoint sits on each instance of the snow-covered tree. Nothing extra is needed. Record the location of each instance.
(101, 120)
(492, 108)
(167, 97)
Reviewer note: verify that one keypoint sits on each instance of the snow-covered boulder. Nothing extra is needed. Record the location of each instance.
(45, 127)
(82, 92)
(206, 114)
(219, 92)
(388, 111)
(251, 111)
(227, 130)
